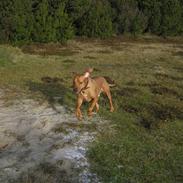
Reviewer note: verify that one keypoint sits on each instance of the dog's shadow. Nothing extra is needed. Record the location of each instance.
(54, 90)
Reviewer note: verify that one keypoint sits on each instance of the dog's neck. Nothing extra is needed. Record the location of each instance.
(85, 87)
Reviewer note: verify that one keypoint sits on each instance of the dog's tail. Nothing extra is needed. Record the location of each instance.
(110, 82)
(112, 85)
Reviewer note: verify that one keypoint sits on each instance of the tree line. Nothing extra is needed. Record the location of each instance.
(60, 20)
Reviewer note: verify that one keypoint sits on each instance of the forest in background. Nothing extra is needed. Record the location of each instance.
(26, 21)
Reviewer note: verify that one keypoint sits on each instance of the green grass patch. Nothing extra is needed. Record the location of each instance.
(142, 141)
(5, 57)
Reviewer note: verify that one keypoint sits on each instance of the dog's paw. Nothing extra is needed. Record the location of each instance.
(112, 109)
(80, 118)
(90, 113)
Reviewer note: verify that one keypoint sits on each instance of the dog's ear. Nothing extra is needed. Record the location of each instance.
(88, 72)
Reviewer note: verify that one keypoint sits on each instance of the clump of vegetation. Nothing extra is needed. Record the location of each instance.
(43, 172)
(97, 21)
(5, 57)
(27, 21)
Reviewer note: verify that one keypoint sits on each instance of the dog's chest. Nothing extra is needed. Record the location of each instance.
(86, 96)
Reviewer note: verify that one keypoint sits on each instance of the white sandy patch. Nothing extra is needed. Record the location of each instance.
(27, 138)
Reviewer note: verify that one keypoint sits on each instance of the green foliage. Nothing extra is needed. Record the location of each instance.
(128, 18)
(62, 24)
(43, 31)
(22, 20)
(52, 23)
(97, 21)
(59, 20)
(171, 17)
(152, 10)
(5, 57)
(6, 21)
(77, 8)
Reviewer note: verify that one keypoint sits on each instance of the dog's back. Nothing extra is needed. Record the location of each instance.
(105, 80)
(99, 81)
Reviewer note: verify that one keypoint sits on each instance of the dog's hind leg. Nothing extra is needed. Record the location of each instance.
(106, 89)
(108, 93)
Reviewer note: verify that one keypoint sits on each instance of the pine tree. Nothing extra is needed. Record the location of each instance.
(58, 20)
(22, 20)
(62, 24)
(171, 17)
(127, 16)
(77, 8)
(152, 10)
(97, 21)
(43, 27)
(181, 4)
(6, 21)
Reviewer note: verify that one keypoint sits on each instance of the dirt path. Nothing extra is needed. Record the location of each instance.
(39, 144)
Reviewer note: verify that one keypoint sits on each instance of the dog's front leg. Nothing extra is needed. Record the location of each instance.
(94, 102)
(97, 107)
(78, 110)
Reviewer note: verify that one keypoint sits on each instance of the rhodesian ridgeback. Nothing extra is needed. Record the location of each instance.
(89, 89)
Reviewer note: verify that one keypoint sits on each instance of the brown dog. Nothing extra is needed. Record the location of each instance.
(89, 89)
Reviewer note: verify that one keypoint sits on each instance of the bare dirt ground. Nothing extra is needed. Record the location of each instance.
(40, 144)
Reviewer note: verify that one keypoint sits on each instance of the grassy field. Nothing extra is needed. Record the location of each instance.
(143, 141)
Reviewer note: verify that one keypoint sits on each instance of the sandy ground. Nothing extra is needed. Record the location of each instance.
(35, 135)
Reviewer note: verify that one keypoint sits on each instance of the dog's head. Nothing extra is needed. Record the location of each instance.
(80, 80)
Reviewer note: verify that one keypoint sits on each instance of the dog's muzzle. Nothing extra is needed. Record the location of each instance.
(75, 90)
